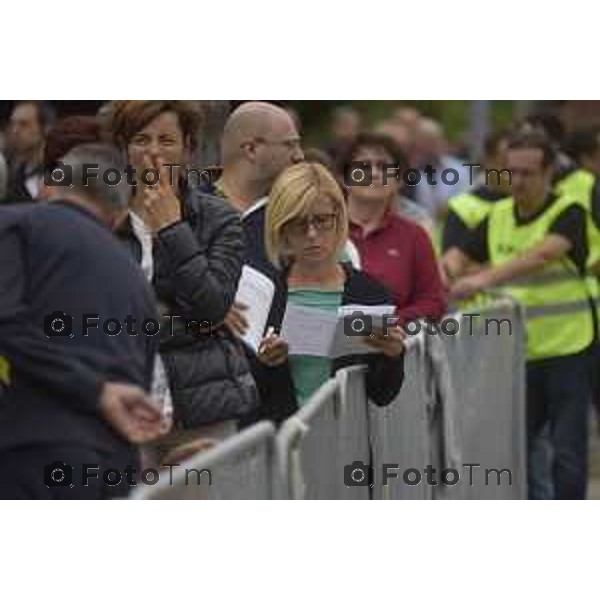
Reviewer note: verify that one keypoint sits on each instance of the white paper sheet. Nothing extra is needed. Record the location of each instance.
(256, 291)
(314, 332)
(308, 331)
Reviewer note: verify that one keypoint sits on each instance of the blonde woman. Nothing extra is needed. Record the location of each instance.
(306, 228)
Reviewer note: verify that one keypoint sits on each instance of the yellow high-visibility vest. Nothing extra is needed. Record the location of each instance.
(4, 371)
(577, 187)
(470, 208)
(557, 300)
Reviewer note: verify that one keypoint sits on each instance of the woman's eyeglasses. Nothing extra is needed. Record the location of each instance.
(320, 222)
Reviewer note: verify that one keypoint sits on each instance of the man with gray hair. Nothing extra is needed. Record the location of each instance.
(94, 173)
(76, 321)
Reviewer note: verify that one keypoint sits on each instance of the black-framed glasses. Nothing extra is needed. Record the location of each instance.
(319, 222)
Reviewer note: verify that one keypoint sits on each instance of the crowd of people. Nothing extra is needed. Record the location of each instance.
(78, 252)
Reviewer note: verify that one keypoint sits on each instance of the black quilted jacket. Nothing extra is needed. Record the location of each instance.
(197, 264)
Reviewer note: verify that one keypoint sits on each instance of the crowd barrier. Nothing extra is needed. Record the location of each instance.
(241, 467)
(481, 387)
(458, 421)
(401, 432)
(329, 432)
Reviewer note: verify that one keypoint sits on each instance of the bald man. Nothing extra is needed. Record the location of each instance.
(259, 141)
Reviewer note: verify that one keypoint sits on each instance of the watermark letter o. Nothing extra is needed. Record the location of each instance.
(152, 472)
(109, 330)
(114, 171)
(155, 176)
(155, 327)
(417, 477)
(414, 180)
(407, 329)
(449, 331)
(446, 473)
(455, 176)
(108, 480)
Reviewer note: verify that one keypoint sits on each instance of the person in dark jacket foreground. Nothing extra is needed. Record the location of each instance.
(73, 398)
(190, 245)
(306, 226)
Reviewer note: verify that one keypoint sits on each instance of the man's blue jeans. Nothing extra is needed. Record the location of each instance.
(558, 397)
(539, 467)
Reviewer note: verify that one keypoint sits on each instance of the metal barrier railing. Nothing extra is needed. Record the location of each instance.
(327, 433)
(400, 432)
(481, 391)
(462, 403)
(241, 467)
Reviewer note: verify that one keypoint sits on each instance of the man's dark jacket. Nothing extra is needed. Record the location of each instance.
(58, 257)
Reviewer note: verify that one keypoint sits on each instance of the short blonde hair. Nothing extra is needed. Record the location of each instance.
(296, 191)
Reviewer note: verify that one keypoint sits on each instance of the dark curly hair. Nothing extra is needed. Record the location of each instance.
(372, 140)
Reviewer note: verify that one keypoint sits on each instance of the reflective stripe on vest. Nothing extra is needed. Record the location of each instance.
(559, 319)
(540, 279)
(566, 308)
